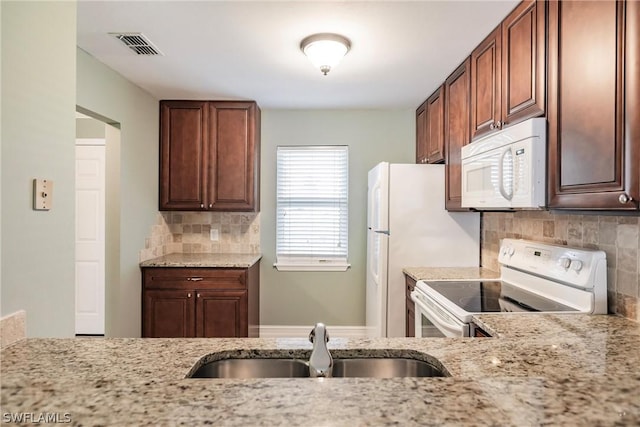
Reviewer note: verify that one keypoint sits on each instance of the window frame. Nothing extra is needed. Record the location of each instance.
(310, 262)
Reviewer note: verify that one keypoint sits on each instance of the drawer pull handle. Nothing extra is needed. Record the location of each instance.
(195, 279)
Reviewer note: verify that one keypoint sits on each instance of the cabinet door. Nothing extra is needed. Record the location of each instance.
(456, 132)
(410, 325)
(411, 319)
(593, 153)
(221, 314)
(233, 159)
(421, 133)
(183, 150)
(168, 314)
(523, 62)
(486, 66)
(435, 126)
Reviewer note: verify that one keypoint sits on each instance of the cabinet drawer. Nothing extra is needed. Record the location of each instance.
(194, 278)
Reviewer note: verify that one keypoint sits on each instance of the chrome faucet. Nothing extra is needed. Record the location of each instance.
(320, 362)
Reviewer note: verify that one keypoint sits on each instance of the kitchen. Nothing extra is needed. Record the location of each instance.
(27, 237)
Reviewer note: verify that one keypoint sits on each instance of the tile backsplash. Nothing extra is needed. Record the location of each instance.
(189, 232)
(13, 328)
(617, 236)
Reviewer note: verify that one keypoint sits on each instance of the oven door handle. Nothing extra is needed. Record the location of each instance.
(450, 329)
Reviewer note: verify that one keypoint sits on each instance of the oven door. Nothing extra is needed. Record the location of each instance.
(433, 321)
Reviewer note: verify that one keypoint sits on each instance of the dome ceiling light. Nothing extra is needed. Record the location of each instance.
(325, 50)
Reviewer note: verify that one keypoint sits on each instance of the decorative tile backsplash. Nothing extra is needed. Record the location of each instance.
(189, 232)
(617, 236)
(13, 328)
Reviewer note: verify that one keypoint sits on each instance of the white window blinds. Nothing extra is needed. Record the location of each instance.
(312, 208)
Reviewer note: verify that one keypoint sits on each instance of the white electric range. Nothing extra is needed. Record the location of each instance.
(535, 278)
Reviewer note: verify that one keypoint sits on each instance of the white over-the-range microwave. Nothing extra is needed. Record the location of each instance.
(507, 169)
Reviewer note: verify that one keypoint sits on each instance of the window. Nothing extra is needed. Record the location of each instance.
(312, 208)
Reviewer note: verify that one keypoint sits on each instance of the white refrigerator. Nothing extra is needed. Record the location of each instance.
(408, 226)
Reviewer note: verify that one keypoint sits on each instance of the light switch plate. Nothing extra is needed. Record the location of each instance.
(42, 194)
(214, 235)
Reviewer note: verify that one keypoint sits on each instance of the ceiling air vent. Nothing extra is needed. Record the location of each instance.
(138, 43)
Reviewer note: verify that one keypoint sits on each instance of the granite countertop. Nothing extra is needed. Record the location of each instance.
(203, 260)
(450, 273)
(569, 369)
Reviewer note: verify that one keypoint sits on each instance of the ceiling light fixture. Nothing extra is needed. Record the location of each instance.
(325, 50)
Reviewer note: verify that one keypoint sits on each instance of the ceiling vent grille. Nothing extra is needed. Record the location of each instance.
(138, 43)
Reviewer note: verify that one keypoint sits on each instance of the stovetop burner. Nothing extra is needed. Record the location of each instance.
(494, 296)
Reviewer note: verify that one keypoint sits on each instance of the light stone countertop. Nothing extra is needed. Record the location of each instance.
(450, 273)
(203, 260)
(562, 370)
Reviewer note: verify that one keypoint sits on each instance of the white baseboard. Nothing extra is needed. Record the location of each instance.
(275, 331)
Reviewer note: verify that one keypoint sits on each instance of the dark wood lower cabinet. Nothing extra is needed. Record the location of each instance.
(410, 324)
(480, 333)
(168, 314)
(182, 302)
(221, 314)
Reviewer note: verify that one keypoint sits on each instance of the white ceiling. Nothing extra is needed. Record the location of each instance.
(400, 53)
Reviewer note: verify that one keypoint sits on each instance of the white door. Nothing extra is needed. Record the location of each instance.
(90, 239)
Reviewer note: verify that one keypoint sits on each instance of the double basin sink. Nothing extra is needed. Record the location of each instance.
(374, 365)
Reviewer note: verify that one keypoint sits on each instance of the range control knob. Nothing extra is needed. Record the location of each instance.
(511, 251)
(564, 262)
(576, 265)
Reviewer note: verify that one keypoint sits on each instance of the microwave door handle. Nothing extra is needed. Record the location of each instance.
(504, 193)
(448, 328)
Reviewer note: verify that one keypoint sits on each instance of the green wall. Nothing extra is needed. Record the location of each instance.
(335, 298)
(38, 141)
(106, 93)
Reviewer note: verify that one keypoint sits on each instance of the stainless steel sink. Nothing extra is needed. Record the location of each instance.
(253, 368)
(385, 368)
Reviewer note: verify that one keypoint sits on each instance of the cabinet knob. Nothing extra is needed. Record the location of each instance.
(498, 124)
(210, 205)
(198, 295)
(492, 126)
(189, 295)
(624, 199)
(201, 205)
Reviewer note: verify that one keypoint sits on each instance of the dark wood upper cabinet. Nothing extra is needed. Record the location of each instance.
(421, 134)
(430, 129)
(435, 126)
(508, 71)
(183, 154)
(486, 67)
(457, 92)
(209, 155)
(234, 167)
(523, 62)
(593, 110)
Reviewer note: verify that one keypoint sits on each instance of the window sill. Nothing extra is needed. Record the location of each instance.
(312, 267)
